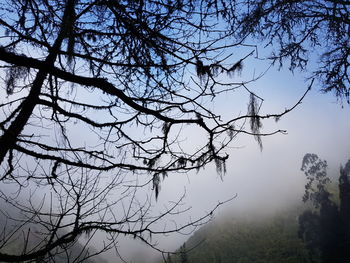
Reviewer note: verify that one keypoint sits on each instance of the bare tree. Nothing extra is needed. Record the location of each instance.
(300, 32)
(96, 98)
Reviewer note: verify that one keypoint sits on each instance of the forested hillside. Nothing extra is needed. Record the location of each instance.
(248, 239)
(314, 231)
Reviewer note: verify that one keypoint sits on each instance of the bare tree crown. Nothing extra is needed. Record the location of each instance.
(95, 98)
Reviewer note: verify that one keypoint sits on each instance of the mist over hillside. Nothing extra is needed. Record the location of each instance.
(313, 230)
(248, 238)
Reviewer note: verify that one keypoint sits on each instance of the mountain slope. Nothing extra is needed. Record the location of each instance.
(248, 239)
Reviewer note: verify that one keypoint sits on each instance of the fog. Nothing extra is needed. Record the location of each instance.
(262, 181)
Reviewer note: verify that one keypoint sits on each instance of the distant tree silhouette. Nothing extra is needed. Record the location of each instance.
(299, 30)
(344, 207)
(96, 99)
(326, 230)
(183, 254)
(168, 259)
(309, 231)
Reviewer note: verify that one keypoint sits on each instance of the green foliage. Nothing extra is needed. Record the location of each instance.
(325, 231)
(246, 240)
